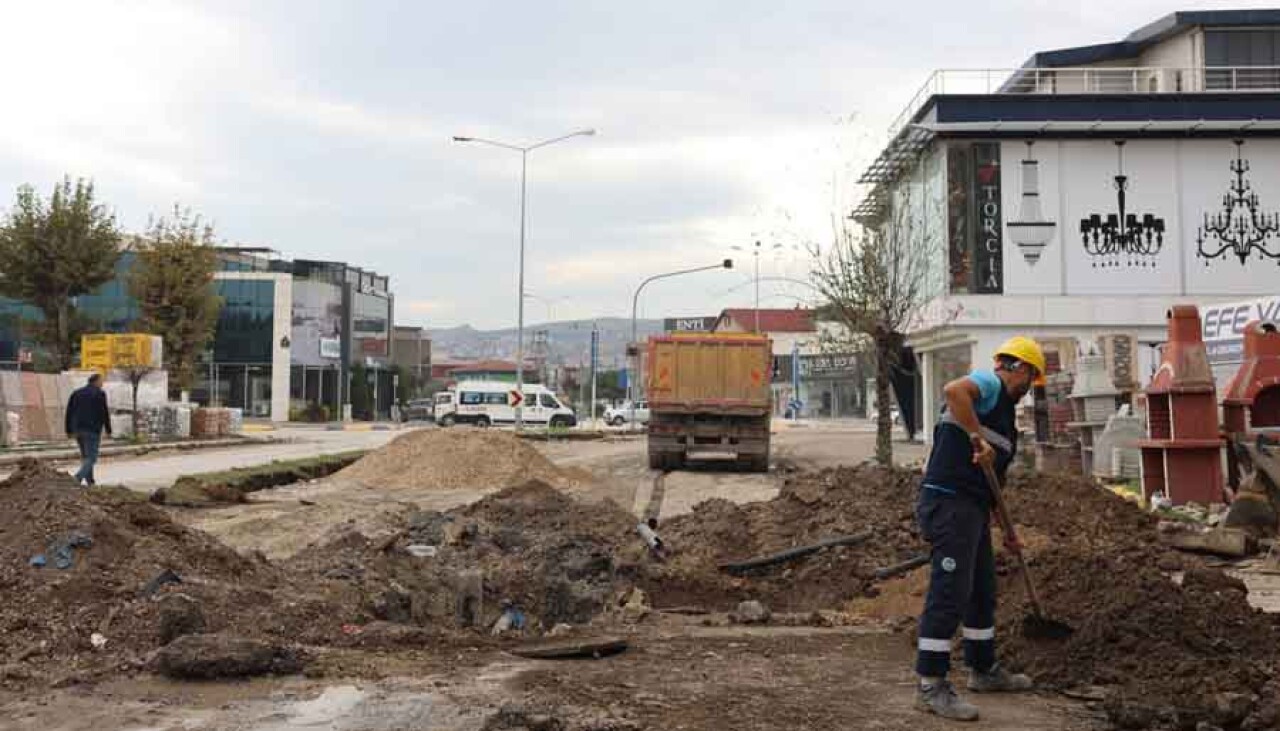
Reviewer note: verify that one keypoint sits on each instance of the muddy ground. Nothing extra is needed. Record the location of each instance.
(386, 644)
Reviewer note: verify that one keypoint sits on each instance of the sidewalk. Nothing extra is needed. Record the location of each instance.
(63, 451)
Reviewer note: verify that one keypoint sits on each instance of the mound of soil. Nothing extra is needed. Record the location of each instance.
(49, 616)
(809, 509)
(1167, 656)
(447, 459)
(555, 558)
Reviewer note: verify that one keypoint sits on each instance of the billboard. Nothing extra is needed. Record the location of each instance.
(1222, 326)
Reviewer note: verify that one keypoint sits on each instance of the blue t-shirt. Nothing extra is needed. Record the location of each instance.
(989, 387)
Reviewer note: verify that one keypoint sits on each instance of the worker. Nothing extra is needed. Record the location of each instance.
(87, 417)
(977, 426)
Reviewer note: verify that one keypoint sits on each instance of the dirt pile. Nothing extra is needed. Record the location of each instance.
(810, 508)
(553, 558)
(1164, 655)
(446, 459)
(104, 610)
(1168, 655)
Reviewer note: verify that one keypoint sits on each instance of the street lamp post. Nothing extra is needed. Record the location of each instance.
(524, 167)
(755, 253)
(635, 359)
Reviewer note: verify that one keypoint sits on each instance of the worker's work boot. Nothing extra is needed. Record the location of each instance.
(998, 680)
(939, 697)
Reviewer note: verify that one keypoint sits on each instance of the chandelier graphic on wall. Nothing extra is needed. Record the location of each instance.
(1239, 228)
(1030, 231)
(1122, 237)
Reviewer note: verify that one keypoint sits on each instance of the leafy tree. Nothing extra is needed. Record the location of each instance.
(173, 284)
(54, 251)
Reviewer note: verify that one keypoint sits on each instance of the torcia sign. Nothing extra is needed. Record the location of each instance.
(1223, 326)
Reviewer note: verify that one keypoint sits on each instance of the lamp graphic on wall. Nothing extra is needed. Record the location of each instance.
(1031, 232)
(1122, 235)
(1239, 228)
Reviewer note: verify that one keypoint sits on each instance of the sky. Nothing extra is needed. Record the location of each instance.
(323, 130)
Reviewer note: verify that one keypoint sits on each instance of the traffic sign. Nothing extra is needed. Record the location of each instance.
(514, 398)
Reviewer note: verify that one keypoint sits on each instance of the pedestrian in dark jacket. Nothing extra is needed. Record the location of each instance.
(87, 417)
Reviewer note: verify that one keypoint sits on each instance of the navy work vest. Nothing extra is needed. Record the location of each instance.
(951, 466)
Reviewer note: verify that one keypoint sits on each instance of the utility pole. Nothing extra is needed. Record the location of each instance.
(595, 359)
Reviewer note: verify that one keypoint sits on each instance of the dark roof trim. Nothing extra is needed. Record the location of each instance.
(1148, 35)
(1233, 106)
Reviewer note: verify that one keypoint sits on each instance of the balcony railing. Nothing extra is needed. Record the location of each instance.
(1091, 80)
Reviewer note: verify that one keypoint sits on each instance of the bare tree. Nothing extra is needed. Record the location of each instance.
(876, 282)
(136, 374)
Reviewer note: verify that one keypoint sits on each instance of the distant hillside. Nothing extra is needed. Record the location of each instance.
(566, 342)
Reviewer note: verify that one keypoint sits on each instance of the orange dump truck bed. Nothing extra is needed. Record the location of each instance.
(709, 394)
(709, 372)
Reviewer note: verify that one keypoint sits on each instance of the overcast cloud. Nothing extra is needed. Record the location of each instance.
(322, 129)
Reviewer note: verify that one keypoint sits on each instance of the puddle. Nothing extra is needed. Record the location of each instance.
(334, 708)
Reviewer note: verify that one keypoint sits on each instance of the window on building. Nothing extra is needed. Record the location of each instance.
(244, 333)
(1242, 59)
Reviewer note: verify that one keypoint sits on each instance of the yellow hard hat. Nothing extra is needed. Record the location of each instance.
(1026, 350)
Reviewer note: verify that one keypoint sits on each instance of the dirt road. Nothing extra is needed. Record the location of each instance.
(679, 673)
(677, 676)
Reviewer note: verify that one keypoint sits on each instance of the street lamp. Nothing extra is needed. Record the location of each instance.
(755, 252)
(635, 301)
(524, 167)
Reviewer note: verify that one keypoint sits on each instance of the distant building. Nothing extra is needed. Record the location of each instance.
(490, 370)
(411, 350)
(287, 335)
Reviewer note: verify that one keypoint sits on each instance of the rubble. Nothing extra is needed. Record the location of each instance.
(48, 616)
(750, 612)
(209, 657)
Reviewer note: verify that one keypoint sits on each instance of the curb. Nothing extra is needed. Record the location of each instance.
(71, 453)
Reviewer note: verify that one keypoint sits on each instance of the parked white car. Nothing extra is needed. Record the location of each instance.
(619, 415)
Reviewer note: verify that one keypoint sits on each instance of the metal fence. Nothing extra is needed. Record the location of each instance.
(1091, 80)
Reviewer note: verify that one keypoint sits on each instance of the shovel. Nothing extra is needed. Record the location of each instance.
(1036, 626)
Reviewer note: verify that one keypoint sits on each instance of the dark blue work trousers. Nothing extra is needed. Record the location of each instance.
(962, 582)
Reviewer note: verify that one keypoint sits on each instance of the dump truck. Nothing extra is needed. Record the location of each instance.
(709, 395)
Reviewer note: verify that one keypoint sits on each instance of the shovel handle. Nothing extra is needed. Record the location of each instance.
(1006, 526)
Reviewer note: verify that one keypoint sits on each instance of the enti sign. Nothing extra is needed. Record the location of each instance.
(689, 324)
(1223, 326)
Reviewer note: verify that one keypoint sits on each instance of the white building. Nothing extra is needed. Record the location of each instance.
(1086, 192)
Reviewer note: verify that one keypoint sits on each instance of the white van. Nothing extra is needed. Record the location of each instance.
(484, 403)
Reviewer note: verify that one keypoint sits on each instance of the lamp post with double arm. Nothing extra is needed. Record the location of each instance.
(524, 168)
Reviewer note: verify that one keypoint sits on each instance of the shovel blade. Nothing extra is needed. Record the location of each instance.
(1036, 627)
